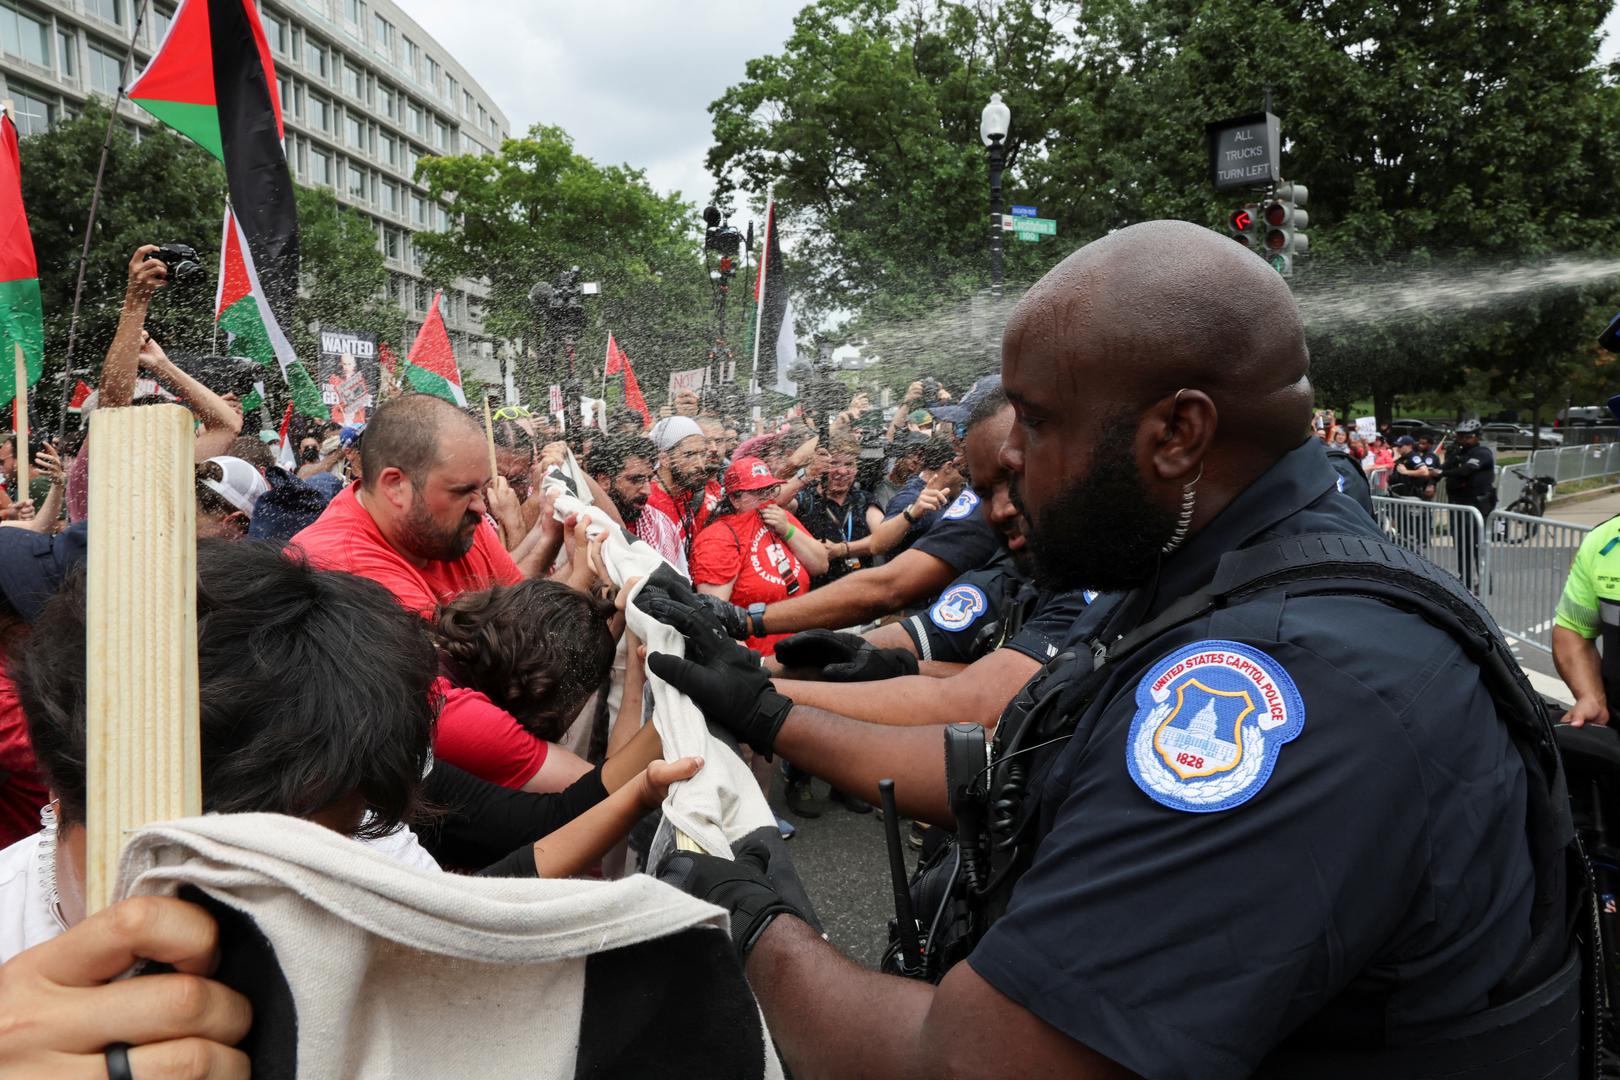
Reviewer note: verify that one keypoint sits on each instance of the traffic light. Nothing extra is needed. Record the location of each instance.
(1285, 220)
(1244, 225)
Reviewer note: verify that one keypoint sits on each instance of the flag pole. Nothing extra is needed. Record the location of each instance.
(760, 285)
(607, 355)
(489, 439)
(90, 222)
(19, 410)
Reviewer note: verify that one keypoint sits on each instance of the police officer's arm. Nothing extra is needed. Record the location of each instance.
(909, 578)
(890, 531)
(853, 756)
(977, 693)
(830, 1017)
(1575, 630)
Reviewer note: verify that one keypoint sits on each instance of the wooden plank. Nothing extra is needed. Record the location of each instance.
(143, 752)
(489, 440)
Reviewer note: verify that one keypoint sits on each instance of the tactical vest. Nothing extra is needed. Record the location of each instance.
(1540, 1012)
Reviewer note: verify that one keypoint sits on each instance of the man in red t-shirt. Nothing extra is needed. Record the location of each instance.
(415, 523)
(679, 505)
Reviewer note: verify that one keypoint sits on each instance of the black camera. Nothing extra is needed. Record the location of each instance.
(180, 260)
(720, 236)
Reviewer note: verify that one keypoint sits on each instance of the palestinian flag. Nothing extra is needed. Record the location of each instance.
(177, 86)
(776, 348)
(284, 450)
(81, 394)
(243, 311)
(21, 322)
(430, 367)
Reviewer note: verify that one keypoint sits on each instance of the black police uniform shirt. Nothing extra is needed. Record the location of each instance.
(959, 534)
(902, 500)
(1470, 474)
(835, 524)
(975, 615)
(1266, 804)
(1417, 459)
(1352, 478)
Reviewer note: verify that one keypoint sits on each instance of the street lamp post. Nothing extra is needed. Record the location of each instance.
(993, 131)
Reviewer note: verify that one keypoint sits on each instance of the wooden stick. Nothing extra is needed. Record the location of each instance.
(489, 438)
(20, 411)
(143, 753)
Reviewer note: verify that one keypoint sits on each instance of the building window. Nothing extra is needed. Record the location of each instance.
(111, 10)
(387, 101)
(415, 119)
(67, 54)
(275, 32)
(412, 156)
(320, 166)
(351, 11)
(413, 57)
(441, 135)
(24, 35)
(315, 58)
(319, 109)
(354, 83)
(106, 70)
(161, 19)
(35, 113)
(419, 210)
(432, 74)
(452, 89)
(354, 128)
(382, 35)
(390, 242)
(387, 149)
(357, 182)
(467, 104)
(284, 90)
(390, 196)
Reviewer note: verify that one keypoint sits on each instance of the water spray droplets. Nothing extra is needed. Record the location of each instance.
(1383, 295)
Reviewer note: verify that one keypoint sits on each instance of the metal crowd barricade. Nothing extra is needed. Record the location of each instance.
(1527, 562)
(1447, 535)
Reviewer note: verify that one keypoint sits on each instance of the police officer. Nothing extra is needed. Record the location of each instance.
(1588, 609)
(973, 646)
(1256, 851)
(1470, 475)
(1417, 467)
(1352, 478)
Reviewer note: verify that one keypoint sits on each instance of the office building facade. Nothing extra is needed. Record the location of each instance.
(365, 93)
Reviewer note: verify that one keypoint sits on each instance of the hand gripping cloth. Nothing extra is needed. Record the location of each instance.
(723, 801)
(359, 966)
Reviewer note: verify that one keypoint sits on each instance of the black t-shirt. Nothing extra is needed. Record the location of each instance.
(1268, 803)
(835, 523)
(960, 536)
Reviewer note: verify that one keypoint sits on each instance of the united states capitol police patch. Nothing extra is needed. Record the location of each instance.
(965, 504)
(1210, 721)
(958, 607)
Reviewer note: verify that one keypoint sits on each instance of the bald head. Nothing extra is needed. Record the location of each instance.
(410, 434)
(1167, 305)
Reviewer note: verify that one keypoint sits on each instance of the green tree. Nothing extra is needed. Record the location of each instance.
(163, 188)
(1425, 140)
(538, 208)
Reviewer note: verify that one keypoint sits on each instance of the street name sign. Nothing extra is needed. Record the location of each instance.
(1038, 226)
(1025, 211)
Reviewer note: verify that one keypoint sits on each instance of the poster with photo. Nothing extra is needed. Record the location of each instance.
(348, 375)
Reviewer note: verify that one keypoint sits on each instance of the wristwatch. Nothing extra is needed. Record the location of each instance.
(906, 513)
(756, 619)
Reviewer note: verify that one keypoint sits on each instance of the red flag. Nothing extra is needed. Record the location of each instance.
(385, 356)
(284, 451)
(430, 368)
(81, 392)
(617, 361)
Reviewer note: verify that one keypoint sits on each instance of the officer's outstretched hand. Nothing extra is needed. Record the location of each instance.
(844, 657)
(739, 885)
(708, 622)
(732, 690)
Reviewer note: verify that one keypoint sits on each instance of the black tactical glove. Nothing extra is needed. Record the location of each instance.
(844, 657)
(666, 590)
(740, 886)
(675, 604)
(733, 693)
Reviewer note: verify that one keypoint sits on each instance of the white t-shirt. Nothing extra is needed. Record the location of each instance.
(28, 908)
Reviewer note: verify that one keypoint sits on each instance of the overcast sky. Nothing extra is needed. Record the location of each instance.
(630, 80)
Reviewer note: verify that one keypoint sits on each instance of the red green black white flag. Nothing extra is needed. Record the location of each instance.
(21, 321)
(430, 367)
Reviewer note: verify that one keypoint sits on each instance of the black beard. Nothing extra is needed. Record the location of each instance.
(629, 511)
(427, 540)
(1104, 532)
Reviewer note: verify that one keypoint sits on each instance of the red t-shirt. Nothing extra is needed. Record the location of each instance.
(479, 736)
(665, 526)
(346, 538)
(22, 788)
(741, 548)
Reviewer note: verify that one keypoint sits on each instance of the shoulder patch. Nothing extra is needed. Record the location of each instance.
(958, 608)
(965, 504)
(1089, 596)
(1211, 719)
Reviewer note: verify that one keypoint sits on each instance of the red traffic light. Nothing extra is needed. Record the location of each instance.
(1241, 220)
(1276, 214)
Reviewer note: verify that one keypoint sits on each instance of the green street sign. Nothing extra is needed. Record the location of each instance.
(1040, 226)
(1030, 236)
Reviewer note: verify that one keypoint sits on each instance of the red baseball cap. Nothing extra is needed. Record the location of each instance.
(749, 474)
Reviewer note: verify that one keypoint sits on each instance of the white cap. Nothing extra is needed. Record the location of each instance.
(242, 485)
(672, 429)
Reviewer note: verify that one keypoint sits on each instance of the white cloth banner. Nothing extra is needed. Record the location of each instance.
(693, 380)
(723, 801)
